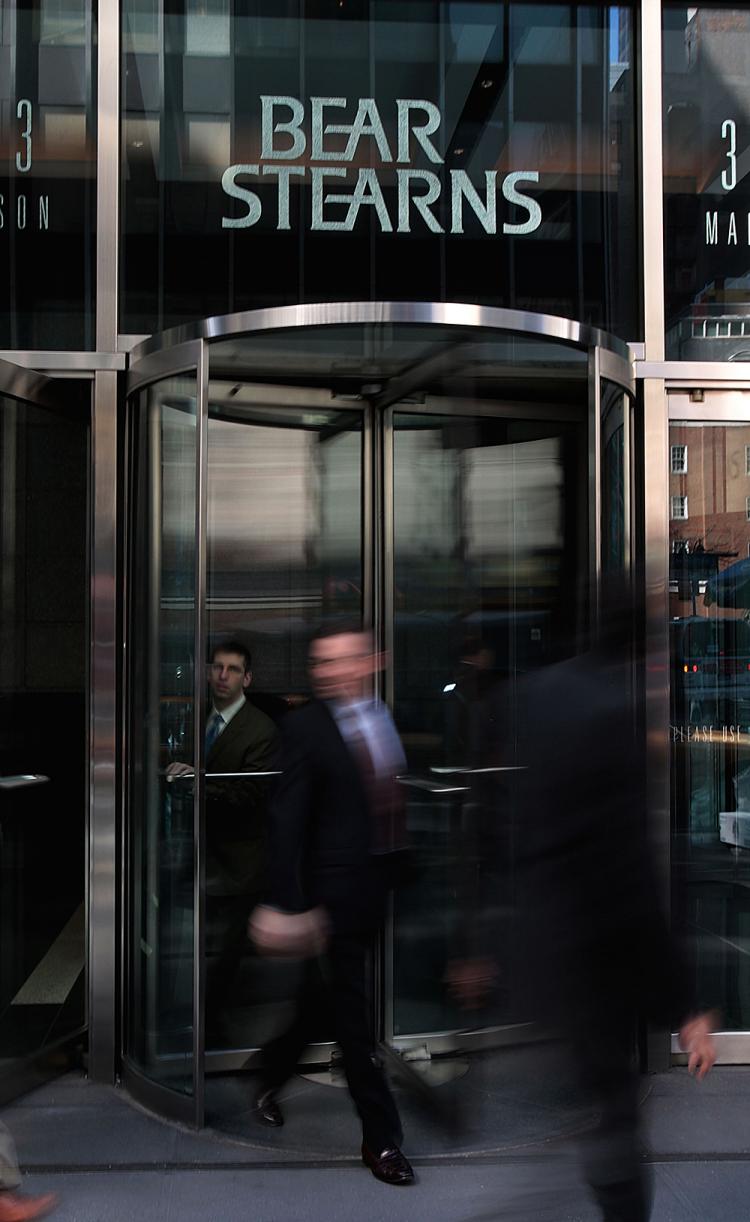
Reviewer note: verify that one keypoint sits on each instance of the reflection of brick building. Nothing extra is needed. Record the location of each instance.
(709, 500)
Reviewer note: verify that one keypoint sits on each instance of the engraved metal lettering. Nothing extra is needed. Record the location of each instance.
(522, 201)
(317, 151)
(463, 188)
(269, 128)
(284, 173)
(318, 176)
(254, 207)
(420, 202)
(421, 133)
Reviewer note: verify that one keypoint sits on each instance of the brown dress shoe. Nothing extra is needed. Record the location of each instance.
(389, 1165)
(266, 1109)
(15, 1207)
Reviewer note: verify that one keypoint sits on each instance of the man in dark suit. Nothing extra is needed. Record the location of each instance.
(336, 825)
(595, 954)
(239, 739)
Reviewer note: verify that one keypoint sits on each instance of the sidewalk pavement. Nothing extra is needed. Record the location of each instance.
(112, 1162)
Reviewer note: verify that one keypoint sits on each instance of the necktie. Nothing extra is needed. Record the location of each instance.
(387, 809)
(213, 730)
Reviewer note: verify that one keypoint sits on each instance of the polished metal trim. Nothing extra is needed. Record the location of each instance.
(264, 395)
(628, 411)
(718, 406)
(695, 373)
(125, 840)
(343, 313)
(107, 173)
(453, 405)
(188, 776)
(654, 466)
(235, 1060)
(10, 92)
(367, 542)
(386, 549)
(615, 369)
(417, 376)
(31, 386)
(23, 781)
(199, 724)
(388, 545)
(80, 363)
(652, 176)
(163, 1100)
(594, 489)
(184, 358)
(437, 1043)
(126, 343)
(446, 1042)
(103, 730)
(732, 1048)
(146, 831)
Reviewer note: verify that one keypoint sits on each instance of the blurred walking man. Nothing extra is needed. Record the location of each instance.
(596, 950)
(336, 827)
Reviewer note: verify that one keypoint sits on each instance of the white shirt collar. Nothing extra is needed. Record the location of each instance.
(230, 711)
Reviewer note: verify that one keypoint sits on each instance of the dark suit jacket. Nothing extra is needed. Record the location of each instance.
(236, 810)
(593, 935)
(321, 826)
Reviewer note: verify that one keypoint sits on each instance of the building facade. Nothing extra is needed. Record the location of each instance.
(431, 313)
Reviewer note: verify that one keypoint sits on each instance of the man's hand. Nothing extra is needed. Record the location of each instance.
(179, 770)
(697, 1041)
(299, 935)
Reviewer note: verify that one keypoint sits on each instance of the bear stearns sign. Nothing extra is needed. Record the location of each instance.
(340, 136)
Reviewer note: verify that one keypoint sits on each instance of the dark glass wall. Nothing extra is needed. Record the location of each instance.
(709, 532)
(47, 173)
(290, 152)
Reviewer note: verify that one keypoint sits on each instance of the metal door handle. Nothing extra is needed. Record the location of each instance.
(451, 771)
(414, 782)
(212, 776)
(25, 781)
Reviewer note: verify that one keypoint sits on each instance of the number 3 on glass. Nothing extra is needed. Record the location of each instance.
(23, 112)
(729, 176)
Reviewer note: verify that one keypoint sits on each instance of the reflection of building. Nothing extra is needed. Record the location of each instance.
(709, 497)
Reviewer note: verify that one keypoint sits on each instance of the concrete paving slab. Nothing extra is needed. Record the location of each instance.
(465, 1194)
(681, 1116)
(688, 1192)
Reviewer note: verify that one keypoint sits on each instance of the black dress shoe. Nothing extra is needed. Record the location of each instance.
(267, 1109)
(389, 1165)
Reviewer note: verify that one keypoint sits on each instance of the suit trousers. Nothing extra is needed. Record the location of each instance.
(339, 980)
(10, 1176)
(604, 1057)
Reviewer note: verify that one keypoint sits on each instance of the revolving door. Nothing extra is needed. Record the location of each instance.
(456, 477)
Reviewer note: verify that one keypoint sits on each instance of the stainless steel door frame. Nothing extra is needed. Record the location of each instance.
(189, 347)
(379, 313)
(188, 358)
